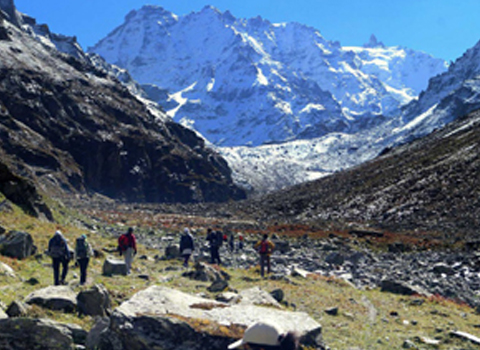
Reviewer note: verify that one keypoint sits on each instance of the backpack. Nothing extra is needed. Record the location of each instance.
(123, 242)
(81, 248)
(264, 248)
(219, 238)
(57, 247)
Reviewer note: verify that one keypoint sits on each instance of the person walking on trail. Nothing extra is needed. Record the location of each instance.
(127, 245)
(231, 242)
(83, 253)
(215, 239)
(265, 248)
(187, 246)
(60, 254)
(262, 335)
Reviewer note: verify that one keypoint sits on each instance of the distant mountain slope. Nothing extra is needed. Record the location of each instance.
(250, 82)
(448, 96)
(72, 128)
(430, 184)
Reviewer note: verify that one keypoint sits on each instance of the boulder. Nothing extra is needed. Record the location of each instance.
(442, 268)
(18, 309)
(335, 258)
(153, 318)
(172, 251)
(218, 286)
(17, 244)
(277, 294)
(400, 287)
(203, 272)
(113, 266)
(54, 298)
(6, 270)
(29, 333)
(257, 296)
(94, 301)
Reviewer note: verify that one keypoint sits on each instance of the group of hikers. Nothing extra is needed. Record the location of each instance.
(61, 254)
(216, 239)
(259, 335)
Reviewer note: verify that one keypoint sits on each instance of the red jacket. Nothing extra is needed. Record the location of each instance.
(127, 241)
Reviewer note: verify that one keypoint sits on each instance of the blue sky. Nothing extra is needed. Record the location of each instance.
(442, 28)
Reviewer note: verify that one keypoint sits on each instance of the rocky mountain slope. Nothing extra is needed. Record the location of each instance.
(72, 128)
(431, 184)
(249, 82)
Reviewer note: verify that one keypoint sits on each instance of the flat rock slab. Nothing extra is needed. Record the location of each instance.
(160, 301)
(54, 298)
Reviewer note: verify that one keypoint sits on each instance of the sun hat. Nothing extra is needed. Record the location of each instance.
(259, 333)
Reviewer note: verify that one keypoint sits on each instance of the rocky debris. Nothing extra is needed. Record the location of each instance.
(42, 334)
(153, 318)
(17, 244)
(54, 298)
(218, 286)
(113, 266)
(94, 301)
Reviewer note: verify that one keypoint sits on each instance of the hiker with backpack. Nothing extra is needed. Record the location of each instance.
(187, 246)
(83, 253)
(60, 254)
(215, 239)
(265, 248)
(127, 246)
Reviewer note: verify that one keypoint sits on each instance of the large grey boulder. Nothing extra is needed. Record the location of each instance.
(54, 298)
(94, 301)
(41, 334)
(113, 266)
(17, 244)
(153, 318)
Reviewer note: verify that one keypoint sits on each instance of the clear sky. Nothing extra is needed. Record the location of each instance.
(442, 28)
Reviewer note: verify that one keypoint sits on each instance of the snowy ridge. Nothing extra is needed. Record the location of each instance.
(251, 82)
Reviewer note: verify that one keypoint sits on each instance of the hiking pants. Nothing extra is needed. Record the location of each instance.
(83, 264)
(215, 256)
(56, 262)
(264, 261)
(128, 255)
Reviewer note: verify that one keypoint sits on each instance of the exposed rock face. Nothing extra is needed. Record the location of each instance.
(72, 128)
(146, 321)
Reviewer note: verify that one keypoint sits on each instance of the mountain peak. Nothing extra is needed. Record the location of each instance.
(373, 43)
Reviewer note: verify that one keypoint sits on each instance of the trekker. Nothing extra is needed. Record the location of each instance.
(83, 253)
(261, 335)
(265, 248)
(60, 254)
(215, 239)
(231, 242)
(186, 246)
(127, 245)
(240, 242)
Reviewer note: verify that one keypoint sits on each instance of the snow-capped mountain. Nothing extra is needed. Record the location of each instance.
(251, 82)
(449, 96)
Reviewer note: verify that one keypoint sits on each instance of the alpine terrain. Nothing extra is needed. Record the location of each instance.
(69, 127)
